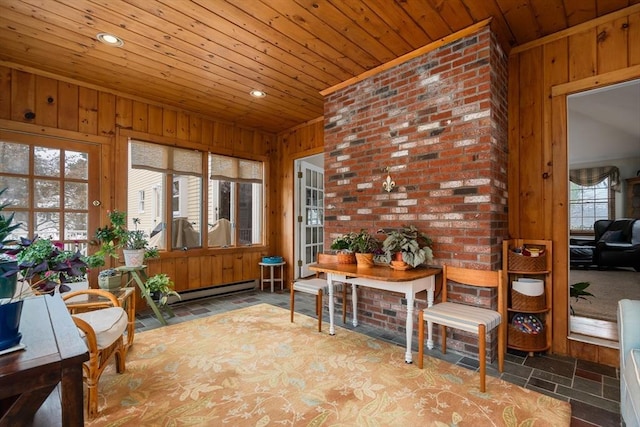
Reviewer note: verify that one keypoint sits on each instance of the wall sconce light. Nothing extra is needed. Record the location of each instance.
(388, 184)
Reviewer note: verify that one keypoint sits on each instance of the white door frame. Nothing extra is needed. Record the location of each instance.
(313, 163)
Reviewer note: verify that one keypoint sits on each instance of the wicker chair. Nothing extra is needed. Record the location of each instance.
(102, 325)
(468, 318)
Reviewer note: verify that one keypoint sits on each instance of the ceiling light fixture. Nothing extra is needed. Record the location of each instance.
(257, 93)
(110, 39)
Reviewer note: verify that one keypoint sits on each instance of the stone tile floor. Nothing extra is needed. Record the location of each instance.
(593, 390)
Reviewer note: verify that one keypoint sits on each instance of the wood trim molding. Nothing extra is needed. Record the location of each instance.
(408, 56)
(595, 82)
(576, 29)
(28, 128)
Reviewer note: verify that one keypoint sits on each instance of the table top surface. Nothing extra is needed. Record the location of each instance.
(376, 272)
(51, 339)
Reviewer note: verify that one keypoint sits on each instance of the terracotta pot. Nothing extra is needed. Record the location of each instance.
(364, 260)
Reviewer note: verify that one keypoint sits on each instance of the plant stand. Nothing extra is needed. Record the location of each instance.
(139, 276)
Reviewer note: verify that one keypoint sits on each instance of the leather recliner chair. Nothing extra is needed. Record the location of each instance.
(617, 243)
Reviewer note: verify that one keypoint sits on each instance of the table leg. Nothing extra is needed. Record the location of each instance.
(271, 277)
(354, 302)
(72, 396)
(131, 312)
(429, 323)
(282, 277)
(262, 277)
(408, 358)
(332, 329)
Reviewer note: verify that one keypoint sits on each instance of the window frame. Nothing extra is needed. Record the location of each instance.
(583, 202)
(122, 193)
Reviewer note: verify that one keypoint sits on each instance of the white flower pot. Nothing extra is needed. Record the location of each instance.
(133, 257)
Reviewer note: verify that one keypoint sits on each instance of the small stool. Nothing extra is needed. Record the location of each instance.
(271, 278)
(316, 286)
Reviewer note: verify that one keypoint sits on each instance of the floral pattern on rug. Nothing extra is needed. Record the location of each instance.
(252, 367)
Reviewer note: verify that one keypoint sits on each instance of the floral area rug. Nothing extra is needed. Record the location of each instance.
(252, 367)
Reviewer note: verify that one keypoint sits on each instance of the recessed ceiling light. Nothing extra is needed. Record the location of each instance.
(257, 93)
(110, 39)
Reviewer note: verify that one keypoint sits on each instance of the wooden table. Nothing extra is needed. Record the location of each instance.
(126, 298)
(53, 355)
(409, 282)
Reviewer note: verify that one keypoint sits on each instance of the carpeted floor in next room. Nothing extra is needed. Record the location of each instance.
(591, 389)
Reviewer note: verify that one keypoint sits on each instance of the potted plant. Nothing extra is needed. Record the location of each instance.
(365, 245)
(115, 236)
(109, 279)
(160, 288)
(407, 245)
(577, 291)
(43, 266)
(343, 245)
(7, 261)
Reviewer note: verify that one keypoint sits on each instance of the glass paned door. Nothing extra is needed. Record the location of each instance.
(311, 215)
(51, 185)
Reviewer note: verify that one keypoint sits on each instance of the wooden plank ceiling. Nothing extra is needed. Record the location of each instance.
(206, 55)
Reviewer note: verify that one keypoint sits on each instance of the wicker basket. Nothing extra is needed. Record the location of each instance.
(525, 341)
(519, 262)
(346, 258)
(522, 302)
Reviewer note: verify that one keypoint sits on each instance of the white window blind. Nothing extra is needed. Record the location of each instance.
(165, 159)
(225, 168)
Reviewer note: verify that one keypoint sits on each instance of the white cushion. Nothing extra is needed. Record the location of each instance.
(108, 324)
(631, 397)
(310, 286)
(461, 316)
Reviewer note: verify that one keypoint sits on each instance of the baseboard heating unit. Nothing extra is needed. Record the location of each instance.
(215, 291)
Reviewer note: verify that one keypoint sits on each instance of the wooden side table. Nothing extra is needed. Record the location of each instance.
(54, 355)
(272, 279)
(138, 275)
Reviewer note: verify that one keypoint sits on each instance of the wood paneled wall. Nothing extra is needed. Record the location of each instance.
(73, 111)
(541, 75)
(301, 141)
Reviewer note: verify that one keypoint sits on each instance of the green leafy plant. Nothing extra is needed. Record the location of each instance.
(365, 243)
(7, 225)
(115, 236)
(577, 291)
(414, 245)
(45, 265)
(161, 285)
(344, 243)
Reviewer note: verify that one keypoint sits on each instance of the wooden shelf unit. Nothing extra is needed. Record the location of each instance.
(544, 312)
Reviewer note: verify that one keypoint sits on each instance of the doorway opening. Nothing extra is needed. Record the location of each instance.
(604, 160)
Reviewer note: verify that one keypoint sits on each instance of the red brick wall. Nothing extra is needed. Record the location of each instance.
(439, 123)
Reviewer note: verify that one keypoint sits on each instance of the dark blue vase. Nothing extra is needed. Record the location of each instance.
(9, 324)
(8, 284)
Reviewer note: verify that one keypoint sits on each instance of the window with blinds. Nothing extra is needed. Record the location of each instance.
(175, 179)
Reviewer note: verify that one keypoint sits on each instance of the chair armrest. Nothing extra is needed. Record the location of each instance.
(89, 334)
